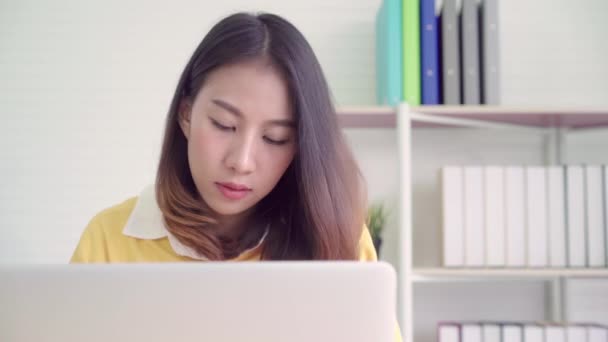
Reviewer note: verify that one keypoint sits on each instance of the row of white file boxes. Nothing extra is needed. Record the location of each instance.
(524, 216)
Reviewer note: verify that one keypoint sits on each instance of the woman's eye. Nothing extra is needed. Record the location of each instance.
(222, 127)
(275, 142)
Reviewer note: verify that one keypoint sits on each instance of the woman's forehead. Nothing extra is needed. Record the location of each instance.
(248, 89)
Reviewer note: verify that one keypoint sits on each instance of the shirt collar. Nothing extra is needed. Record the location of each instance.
(146, 222)
(146, 219)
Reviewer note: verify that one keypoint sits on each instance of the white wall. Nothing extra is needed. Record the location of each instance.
(554, 52)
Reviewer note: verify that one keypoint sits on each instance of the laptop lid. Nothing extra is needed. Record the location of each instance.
(262, 301)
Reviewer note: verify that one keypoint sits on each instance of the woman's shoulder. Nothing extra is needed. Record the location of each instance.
(367, 251)
(104, 229)
(113, 219)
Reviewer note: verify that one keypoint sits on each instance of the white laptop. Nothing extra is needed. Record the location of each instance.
(210, 302)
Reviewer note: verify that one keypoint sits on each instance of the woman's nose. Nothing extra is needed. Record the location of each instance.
(241, 156)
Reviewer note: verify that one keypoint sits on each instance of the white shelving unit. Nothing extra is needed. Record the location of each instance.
(554, 125)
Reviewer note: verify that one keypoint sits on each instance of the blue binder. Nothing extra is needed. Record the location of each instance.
(429, 47)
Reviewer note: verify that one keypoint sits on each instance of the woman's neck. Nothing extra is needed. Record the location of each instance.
(232, 227)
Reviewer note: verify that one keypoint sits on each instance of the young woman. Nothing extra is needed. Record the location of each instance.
(254, 165)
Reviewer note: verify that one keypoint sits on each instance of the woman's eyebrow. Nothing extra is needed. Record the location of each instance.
(232, 109)
(227, 106)
(284, 122)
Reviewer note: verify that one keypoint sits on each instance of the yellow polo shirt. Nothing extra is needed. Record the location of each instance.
(133, 231)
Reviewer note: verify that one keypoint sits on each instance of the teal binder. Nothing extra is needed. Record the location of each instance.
(389, 66)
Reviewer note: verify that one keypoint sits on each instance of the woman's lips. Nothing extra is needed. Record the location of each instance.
(233, 191)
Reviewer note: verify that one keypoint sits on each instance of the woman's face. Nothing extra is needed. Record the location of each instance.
(241, 135)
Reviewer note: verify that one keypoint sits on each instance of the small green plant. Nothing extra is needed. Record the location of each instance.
(376, 220)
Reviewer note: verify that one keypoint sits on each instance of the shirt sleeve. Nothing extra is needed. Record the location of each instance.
(367, 251)
(92, 245)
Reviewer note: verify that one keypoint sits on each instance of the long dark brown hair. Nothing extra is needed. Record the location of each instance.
(317, 209)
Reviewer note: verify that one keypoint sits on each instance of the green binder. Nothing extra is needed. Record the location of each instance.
(411, 51)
